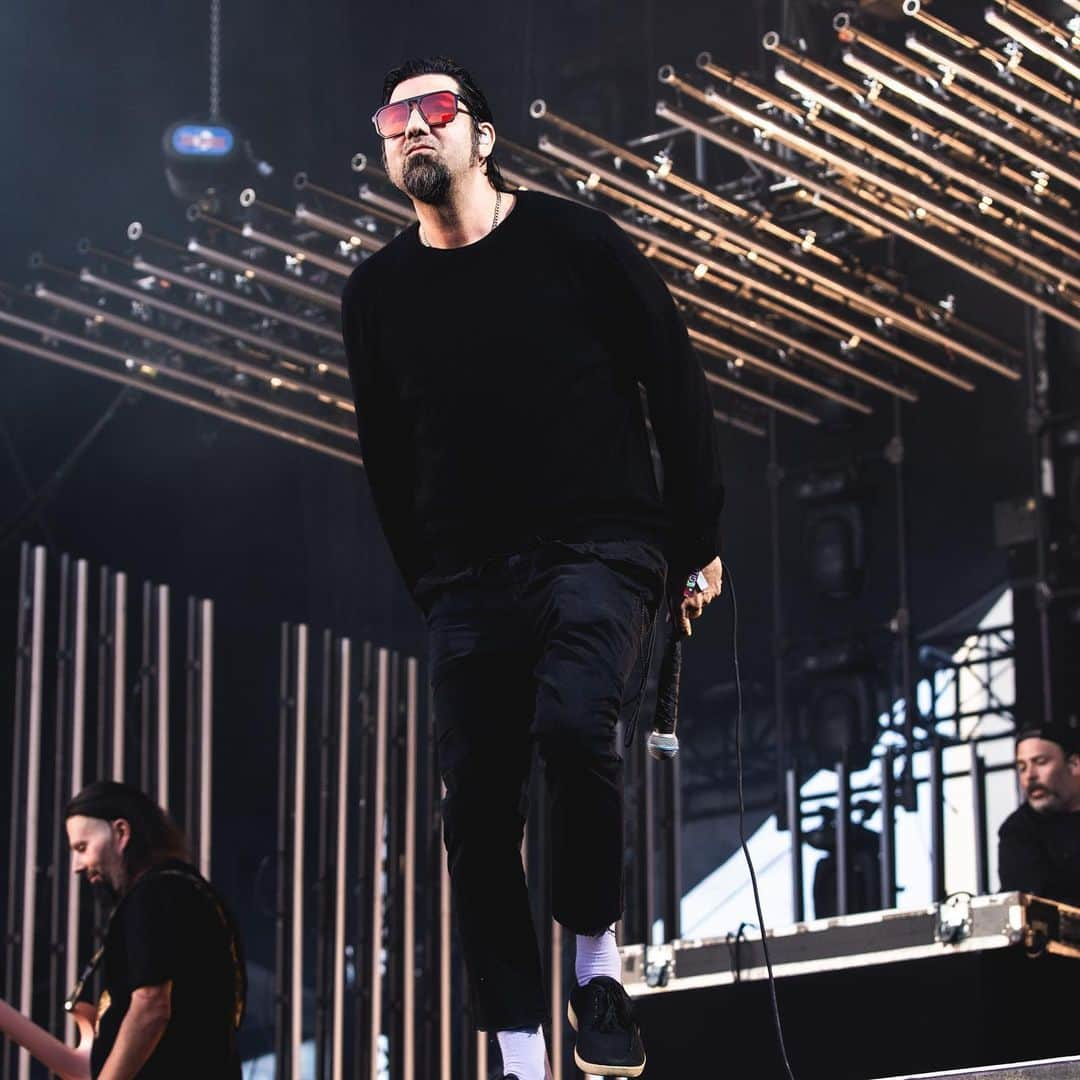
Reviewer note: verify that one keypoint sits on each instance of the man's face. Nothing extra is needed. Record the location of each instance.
(97, 853)
(1049, 777)
(424, 161)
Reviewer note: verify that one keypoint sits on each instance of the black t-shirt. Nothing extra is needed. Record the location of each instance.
(497, 394)
(1040, 854)
(168, 927)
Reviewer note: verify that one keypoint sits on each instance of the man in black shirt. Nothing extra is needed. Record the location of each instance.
(173, 976)
(1039, 843)
(496, 351)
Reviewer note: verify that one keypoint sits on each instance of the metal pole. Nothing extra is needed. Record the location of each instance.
(282, 1064)
(888, 830)
(843, 821)
(337, 1023)
(978, 803)
(119, 636)
(324, 914)
(206, 732)
(365, 864)
(78, 743)
(191, 739)
(408, 971)
(378, 824)
(445, 1019)
(33, 790)
(296, 996)
(556, 1000)
(937, 822)
(162, 692)
(145, 690)
(774, 476)
(794, 812)
(58, 879)
(16, 864)
(902, 620)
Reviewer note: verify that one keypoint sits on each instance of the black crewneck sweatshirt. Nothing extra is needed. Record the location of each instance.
(497, 394)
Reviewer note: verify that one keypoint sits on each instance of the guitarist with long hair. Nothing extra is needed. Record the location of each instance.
(173, 972)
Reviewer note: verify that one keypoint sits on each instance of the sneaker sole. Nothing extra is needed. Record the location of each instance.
(589, 1067)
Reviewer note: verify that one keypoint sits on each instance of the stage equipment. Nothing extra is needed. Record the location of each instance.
(834, 532)
(977, 961)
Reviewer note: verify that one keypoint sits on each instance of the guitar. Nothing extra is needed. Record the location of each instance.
(69, 1063)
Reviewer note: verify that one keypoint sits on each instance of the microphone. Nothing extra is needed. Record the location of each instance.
(663, 742)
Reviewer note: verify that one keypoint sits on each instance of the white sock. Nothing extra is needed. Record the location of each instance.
(523, 1052)
(597, 955)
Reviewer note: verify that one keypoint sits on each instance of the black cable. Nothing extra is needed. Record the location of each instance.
(742, 822)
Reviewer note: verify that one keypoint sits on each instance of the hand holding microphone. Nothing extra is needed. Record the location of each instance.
(701, 588)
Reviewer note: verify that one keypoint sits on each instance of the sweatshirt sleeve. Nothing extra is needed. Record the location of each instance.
(653, 337)
(389, 457)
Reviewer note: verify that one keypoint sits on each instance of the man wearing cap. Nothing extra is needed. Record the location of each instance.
(1039, 843)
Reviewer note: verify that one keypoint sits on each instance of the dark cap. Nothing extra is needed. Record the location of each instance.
(1066, 734)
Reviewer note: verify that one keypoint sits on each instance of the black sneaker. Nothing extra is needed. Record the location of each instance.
(608, 1038)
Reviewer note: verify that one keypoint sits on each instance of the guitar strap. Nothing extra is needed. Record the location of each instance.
(202, 887)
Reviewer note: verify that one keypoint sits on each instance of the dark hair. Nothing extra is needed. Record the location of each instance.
(470, 94)
(154, 837)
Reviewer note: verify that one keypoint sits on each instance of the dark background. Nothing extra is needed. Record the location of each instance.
(273, 532)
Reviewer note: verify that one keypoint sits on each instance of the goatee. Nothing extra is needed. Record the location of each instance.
(427, 179)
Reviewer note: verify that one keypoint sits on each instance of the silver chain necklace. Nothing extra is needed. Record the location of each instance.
(494, 220)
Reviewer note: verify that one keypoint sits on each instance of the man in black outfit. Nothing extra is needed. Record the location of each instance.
(1039, 843)
(496, 351)
(173, 974)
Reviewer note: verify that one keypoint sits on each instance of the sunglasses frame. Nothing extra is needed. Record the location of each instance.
(414, 103)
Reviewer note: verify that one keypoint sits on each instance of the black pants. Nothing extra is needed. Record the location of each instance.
(536, 646)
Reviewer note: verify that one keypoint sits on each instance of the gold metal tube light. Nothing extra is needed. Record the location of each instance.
(850, 34)
(750, 359)
(772, 43)
(792, 343)
(153, 300)
(1066, 38)
(980, 131)
(231, 297)
(1003, 63)
(178, 398)
(848, 328)
(300, 254)
(357, 239)
(143, 331)
(815, 152)
(761, 398)
(982, 186)
(1033, 44)
(839, 290)
(257, 273)
(154, 368)
(961, 70)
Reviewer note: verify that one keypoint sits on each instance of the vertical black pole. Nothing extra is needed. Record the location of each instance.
(191, 687)
(901, 624)
(57, 925)
(146, 688)
(282, 1057)
(794, 824)
(887, 852)
(364, 862)
(673, 877)
(1041, 460)
(774, 477)
(978, 806)
(843, 834)
(937, 821)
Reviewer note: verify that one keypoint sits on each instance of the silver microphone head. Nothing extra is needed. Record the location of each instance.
(662, 745)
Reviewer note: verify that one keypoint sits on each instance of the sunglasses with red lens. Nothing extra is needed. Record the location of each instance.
(437, 108)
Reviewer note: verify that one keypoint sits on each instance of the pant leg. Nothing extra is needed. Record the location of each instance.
(592, 611)
(483, 695)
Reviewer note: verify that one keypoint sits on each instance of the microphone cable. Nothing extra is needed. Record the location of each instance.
(742, 821)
